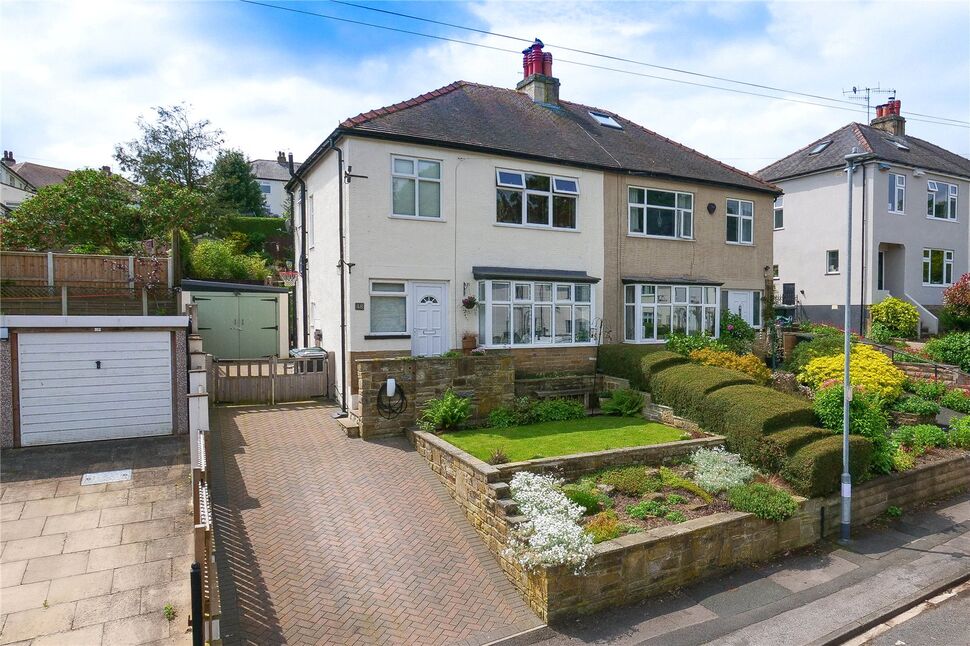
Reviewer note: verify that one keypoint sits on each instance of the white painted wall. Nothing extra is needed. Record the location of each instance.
(276, 198)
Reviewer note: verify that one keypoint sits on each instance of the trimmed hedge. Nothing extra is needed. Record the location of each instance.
(656, 362)
(684, 387)
(775, 449)
(745, 413)
(815, 469)
(623, 360)
(258, 226)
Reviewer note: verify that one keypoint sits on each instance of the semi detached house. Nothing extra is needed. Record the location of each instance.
(568, 225)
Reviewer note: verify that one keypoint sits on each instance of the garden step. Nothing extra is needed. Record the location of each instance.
(349, 426)
(509, 507)
(516, 520)
(502, 490)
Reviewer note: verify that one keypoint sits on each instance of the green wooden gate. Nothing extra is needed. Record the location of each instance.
(239, 325)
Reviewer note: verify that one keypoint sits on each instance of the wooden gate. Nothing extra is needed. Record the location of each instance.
(271, 381)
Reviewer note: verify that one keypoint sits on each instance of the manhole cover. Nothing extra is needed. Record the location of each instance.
(105, 477)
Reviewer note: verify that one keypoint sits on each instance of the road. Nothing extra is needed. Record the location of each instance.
(945, 625)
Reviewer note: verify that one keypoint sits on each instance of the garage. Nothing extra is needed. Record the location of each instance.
(73, 380)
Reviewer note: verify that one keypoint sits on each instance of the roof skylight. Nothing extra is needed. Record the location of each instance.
(898, 144)
(605, 120)
(820, 147)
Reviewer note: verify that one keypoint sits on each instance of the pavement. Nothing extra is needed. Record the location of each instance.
(819, 596)
(96, 564)
(323, 539)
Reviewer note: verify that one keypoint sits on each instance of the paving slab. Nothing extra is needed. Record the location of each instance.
(39, 621)
(79, 586)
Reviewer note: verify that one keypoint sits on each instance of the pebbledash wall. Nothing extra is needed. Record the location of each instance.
(489, 381)
(637, 566)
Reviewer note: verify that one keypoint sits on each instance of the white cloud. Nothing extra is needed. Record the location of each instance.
(87, 70)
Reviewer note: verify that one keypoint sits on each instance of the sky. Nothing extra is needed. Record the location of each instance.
(76, 76)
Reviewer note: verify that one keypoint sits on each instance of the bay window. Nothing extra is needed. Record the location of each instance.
(941, 200)
(740, 221)
(524, 313)
(652, 312)
(668, 214)
(937, 267)
(533, 200)
(415, 187)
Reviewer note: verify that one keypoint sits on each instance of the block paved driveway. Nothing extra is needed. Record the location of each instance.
(325, 539)
(96, 564)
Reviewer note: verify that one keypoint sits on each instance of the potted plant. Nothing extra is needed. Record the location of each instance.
(469, 341)
(469, 302)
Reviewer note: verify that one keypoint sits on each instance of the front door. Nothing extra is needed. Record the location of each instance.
(740, 303)
(428, 319)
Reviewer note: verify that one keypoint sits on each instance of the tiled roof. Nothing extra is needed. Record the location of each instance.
(501, 120)
(38, 175)
(271, 169)
(882, 146)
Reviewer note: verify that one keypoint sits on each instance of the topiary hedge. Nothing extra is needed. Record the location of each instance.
(623, 360)
(684, 387)
(815, 469)
(656, 362)
(745, 413)
(775, 449)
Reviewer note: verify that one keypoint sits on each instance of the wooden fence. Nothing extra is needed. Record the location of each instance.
(67, 300)
(270, 381)
(83, 270)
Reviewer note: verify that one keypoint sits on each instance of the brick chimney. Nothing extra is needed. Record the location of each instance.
(889, 119)
(281, 158)
(537, 79)
(8, 158)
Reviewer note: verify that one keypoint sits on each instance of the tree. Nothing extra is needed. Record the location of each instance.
(91, 211)
(233, 185)
(172, 149)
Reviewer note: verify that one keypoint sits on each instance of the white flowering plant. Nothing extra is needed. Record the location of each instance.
(552, 534)
(717, 470)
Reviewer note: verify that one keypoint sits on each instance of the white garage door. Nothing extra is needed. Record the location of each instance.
(80, 386)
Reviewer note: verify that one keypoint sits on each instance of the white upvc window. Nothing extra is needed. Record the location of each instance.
(937, 267)
(265, 188)
(832, 261)
(415, 187)
(941, 200)
(534, 200)
(388, 307)
(897, 193)
(652, 312)
(779, 212)
(740, 221)
(660, 213)
(515, 313)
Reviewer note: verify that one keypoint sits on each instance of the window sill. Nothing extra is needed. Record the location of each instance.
(655, 237)
(739, 244)
(419, 218)
(778, 229)
(374, 337)
(943, 286)
(833, 273)
(896, 212)
(936, 219)
(537, 227)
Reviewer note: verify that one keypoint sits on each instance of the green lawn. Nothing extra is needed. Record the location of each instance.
(551, 439)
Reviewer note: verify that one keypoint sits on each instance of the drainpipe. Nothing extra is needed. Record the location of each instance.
(862, 275)
(303, 259)
(342, 265)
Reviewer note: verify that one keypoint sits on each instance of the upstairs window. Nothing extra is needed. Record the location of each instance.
(667, 214)
(779, 213)
(832, 261)
(897, 193)
(740, 221)
(941, 200)
(265, 188)
(533, 200)
(415, 187)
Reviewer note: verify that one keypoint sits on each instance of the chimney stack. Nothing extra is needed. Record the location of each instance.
(8, 158)
(888, 118)
(106, 170)
(537, 79)
(281, 158)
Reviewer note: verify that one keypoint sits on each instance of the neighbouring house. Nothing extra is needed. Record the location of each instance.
(14, 189)
(910, 214)
(37, 175)
(272, 175)
(523, 220)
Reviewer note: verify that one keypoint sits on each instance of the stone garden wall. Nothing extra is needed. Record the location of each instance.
(950, 375)
(637, 566)
(488, 380)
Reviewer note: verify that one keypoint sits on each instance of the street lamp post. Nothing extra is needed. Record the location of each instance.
(850, 163)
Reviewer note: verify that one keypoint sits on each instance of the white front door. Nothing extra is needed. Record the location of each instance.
(428, 319)
(740, 303)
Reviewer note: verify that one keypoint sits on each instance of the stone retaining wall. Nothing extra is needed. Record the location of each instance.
(488, 380)
(950, 375)
(529, 362)
(544, 387)
(637, 566)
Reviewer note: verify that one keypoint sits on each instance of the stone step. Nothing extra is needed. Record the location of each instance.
(350, 426)
(509, 507)
(502, 490)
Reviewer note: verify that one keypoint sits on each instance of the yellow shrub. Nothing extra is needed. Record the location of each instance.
(871, 370)
(746, 363)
